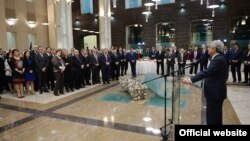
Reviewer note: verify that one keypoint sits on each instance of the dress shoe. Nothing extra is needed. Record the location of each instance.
(108, 82)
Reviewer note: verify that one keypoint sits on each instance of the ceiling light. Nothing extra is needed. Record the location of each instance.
(213, 6)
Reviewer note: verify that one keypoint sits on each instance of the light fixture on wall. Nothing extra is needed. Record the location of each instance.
(156, 3)
(146, 13)
(201, 2)
(31, 24)
(148, 5)
(243, 21)
(11, 21)
(114, 4)
(213, 6)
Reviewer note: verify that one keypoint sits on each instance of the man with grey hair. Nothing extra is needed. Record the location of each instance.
(215, 88)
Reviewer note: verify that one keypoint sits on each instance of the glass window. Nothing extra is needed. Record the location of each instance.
(166, 2)
(86, 6)
(132, 4)
(201, 32)
(11, 40)
(165, 35)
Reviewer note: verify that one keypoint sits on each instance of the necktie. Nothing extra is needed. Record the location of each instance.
(195, 54)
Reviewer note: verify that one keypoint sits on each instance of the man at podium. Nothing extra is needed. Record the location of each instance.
(215, 77)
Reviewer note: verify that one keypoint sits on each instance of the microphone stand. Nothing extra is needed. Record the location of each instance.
(164, 133)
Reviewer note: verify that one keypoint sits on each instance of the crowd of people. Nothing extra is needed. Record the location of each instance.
(199, 58)
(47, 69)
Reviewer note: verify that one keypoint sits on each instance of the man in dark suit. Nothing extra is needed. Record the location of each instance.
(182, 58)
(152, 53)
(227, 55)
(160, 55)
(237, 55)
(195, 58)
(170, 60)
(94, 59)
(215, 88)
(42, 61)
(105, 60)
(132, 56)
(203, 58)
(247, 65)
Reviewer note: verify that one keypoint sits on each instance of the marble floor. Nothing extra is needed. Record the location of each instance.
(108, 113)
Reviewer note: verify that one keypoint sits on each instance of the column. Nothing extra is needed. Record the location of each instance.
(105, 23)
(60, 29)
(21, 26)
(3, 34)
(42, 37)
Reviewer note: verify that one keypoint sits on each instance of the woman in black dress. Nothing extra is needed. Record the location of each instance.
(18, 69)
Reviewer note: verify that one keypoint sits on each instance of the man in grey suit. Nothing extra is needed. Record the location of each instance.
(215, 88)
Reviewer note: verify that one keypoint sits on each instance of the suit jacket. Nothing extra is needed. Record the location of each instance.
(104, 60)
(132, 56)
(93, 60)
(160, 56)
(152, 54)
(41, 61)
(197, 56)
(228, 55)
(215, 78)
(184, 59)
(171, 55)
(204, 57)
(237, 55)
(56, 63)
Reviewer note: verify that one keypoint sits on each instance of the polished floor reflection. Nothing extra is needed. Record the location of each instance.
(102, 113)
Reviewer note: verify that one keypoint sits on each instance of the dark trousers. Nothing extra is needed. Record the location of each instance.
(214, 112)
(50, 79)
(181, 69)
(194, 67)
(78, 78)
(116, 71)
(246, 72)
(236, 67)
(112, 70)
(203, 66)
(124, 68)
(59, 83)
(160, 64)
(133, 68)
(105, 73)
(67, 79)
(170, 67)
(72, 78)
(42, 77)
(87, 74)
(83, 77)
(95, 74)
